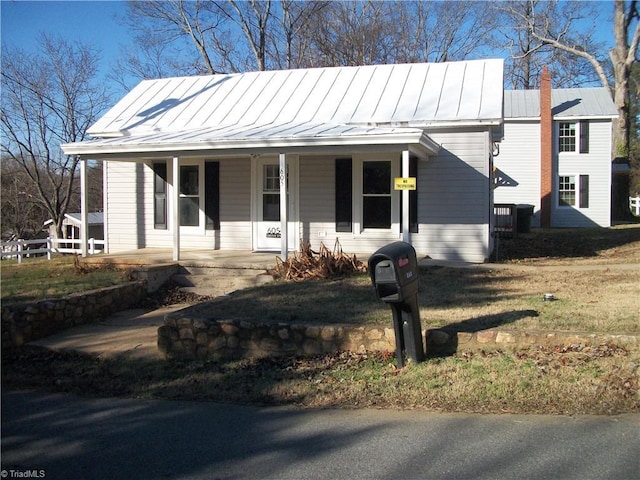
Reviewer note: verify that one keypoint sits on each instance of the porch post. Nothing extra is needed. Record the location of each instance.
(84, 200)
(406, 234)
(175, 207)
(284, 234)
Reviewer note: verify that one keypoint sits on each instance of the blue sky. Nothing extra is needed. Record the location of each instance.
(92, 22)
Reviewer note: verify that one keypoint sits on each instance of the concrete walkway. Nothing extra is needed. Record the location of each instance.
(130, 333)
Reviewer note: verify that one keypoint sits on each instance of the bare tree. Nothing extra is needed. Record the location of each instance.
(160, 23)
(22, 212)
(352, 33)
(290, 45)
(49, 98)
(558, 31)
(521, 22)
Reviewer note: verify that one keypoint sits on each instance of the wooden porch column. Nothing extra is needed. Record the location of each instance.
(175, 207)
(406, 232)
(84, 201)
(284, 233)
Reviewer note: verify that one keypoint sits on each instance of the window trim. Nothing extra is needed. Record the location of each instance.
(358, 212)
(200, 228)
(575, 191)
(580, 138)
(581, 191)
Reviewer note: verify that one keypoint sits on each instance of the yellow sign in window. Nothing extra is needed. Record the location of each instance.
(404, 183)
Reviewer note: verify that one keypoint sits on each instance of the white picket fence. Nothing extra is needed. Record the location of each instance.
(47, 246)
(634, 205)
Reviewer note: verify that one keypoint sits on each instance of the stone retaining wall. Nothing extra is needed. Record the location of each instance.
(24, 322)
(185, 337)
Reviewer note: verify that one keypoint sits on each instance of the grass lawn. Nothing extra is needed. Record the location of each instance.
(39, 278)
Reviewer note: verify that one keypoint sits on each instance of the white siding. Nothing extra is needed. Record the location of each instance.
(518, 166)
(596, 164)
(317, 200)
(124, 188)
(235, 204)
(454, 199)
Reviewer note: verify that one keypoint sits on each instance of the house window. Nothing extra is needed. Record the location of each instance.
(160, 196)
(189, 196)
(573, 137)
(572, 193)
(376, 194)
(567, 137)
(567, 191)
(344, 200)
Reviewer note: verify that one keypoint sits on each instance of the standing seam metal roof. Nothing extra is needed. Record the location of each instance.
(406, 94)
(566, 102)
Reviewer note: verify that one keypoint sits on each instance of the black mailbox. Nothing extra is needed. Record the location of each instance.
(394, 274)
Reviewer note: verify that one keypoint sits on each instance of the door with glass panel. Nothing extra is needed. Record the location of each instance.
(268, 226)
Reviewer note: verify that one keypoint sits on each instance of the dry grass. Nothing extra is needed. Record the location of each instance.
(38, 278)
(571, 381)
(594, 301)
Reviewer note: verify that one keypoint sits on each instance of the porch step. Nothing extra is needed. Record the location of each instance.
(216, 281)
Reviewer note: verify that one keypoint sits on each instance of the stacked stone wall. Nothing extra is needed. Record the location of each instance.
(184, 336)
(24, 322)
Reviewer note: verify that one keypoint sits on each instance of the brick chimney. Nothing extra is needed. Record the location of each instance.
(546, 149)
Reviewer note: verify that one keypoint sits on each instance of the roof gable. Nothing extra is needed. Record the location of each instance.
(418, 95)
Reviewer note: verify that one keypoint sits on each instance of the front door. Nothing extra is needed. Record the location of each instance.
(267, 227)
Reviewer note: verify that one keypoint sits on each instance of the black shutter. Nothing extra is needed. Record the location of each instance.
(413, 196)
(584, 136)
(212, 195)
(344, 195)
(160, 196)
(584, 191)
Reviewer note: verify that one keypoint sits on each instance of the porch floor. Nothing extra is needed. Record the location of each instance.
(189, 258)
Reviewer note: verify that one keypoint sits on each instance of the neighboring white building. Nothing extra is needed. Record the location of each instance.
(199, 162)
(580, 157)
(73, 222)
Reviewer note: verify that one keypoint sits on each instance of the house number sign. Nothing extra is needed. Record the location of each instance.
(273, 232)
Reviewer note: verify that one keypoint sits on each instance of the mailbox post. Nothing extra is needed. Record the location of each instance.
(394, 273)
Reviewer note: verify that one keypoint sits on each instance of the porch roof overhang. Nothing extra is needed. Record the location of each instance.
(235, 140)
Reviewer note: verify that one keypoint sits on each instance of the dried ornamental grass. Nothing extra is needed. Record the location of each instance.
(308, 264)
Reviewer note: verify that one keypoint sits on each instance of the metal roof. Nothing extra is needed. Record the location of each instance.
(566, 103)
(307, 106)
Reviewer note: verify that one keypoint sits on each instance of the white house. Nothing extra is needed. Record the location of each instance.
(201, 162)
(561, 161)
